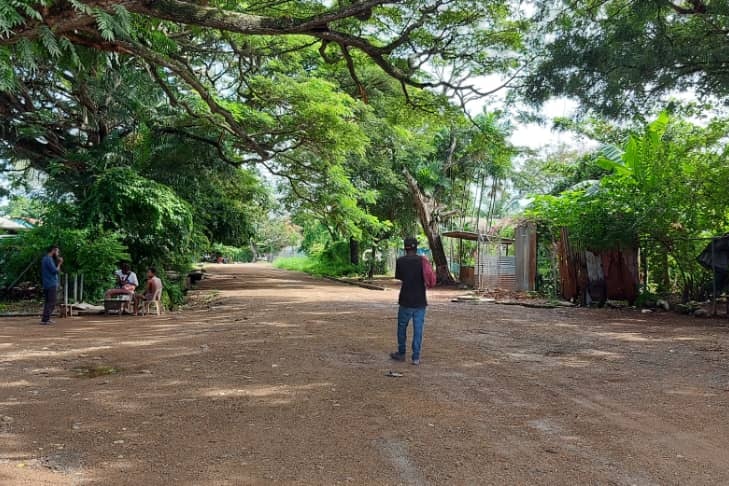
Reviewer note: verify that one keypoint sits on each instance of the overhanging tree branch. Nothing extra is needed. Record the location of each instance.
(68, 19)
(79, 25)
(177, 67)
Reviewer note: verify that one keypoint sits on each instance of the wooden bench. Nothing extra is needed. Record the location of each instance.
(65, 310)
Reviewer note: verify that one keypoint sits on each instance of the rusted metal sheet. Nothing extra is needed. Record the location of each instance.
(501, 282)
(569, 266)
(466, 275)
(621, 273)
(471, 236)
(587, 276)
(462, 235)
(596, 285)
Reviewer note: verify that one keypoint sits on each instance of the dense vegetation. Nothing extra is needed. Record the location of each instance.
(662, 190)
(162, 132)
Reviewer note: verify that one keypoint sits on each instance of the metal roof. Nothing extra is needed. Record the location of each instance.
(470, 235)
(10, 225)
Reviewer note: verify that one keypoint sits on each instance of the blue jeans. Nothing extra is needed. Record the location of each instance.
(404, 314)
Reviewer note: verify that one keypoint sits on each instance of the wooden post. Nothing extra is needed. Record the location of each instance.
(713, 275)
(64, 308)
(525, 251)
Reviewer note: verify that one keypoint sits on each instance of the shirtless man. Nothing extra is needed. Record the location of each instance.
(154, 284)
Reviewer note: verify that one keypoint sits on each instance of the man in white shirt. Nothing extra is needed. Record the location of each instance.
(126, 281)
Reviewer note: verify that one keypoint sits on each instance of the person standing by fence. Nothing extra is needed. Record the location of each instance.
(50, 266)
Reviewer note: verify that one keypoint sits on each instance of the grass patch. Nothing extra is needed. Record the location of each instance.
(315, 266)
(295, 263)
(20, 306)
(95, 371)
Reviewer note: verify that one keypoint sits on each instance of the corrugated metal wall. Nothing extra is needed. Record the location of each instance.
(496, 272)
(587, 276)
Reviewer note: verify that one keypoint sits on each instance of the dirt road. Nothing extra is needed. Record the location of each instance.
(275, 377)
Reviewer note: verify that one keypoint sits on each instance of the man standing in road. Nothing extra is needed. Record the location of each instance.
(416, 274)
(50, 266)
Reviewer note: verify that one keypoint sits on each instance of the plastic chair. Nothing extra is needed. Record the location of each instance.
(156, 300)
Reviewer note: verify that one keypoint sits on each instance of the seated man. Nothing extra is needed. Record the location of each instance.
(126, 282)
(154, 285)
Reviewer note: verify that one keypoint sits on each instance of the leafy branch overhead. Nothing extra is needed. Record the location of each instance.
(619, 57)
(401, 37)
(260, 79)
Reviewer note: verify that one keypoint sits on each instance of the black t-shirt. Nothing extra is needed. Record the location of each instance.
(409, 270)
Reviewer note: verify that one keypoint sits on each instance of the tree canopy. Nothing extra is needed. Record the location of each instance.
(170, 128)
(257, 78)
(621, 56)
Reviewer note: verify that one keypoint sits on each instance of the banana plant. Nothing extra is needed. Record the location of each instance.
(630, 162)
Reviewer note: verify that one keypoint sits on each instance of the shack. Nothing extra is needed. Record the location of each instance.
(500, 263)
(588, 276)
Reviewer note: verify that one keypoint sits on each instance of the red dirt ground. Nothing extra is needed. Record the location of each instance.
(275, 377)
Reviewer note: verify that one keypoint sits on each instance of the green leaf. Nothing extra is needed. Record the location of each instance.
(81, 7)
(105, 22)
(9, 18)
(25, 55)
(611, 165)
(49, 42)
(612, 152)
(70, 49)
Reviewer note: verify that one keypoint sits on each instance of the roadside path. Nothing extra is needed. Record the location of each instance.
(276, 377)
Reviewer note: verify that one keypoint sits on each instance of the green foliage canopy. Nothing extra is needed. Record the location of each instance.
(154, 219)
(620, 56)
(665, 187)
(93, 253)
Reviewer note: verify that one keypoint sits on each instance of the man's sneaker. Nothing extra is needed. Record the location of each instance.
(45, 323)
(416, 362)
(397, 356)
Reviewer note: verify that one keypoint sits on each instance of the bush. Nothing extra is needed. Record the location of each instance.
(173, 294)
(647, 299)
(231, 253)
(334, 260)
(331, 260)
(296, 263)
(94, 254)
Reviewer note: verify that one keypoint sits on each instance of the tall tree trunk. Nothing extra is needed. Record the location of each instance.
(254, 250)
(353, 251)
(373, 262)
(660, 271)
(430, 226)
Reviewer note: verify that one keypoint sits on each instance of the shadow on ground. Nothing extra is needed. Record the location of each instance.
(278, 377)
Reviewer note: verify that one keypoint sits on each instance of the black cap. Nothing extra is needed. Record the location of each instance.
(411, 243)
